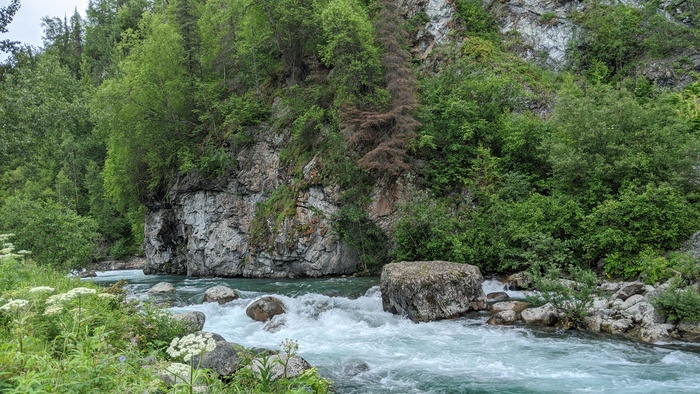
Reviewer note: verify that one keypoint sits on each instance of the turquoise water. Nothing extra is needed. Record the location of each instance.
(342, 329)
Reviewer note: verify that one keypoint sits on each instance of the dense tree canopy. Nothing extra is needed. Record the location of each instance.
(509, 165)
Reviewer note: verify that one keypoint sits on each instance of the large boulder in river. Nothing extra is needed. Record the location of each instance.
(431, 290)
(220, 294)
(265, 309)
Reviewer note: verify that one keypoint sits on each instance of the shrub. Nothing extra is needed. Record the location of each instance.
(678, 305)
(571, 298)
(60, 237)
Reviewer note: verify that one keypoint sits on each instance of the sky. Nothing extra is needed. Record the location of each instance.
(26, 25)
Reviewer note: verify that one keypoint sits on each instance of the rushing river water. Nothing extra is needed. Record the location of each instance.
(341, 328)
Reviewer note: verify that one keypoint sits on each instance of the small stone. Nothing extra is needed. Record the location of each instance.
(497, 296)
(516, 306)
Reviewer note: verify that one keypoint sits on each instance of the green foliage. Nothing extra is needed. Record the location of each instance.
(355, 229)
(653, 217)
(678, 305)
(476, 19)
(350, 49)
(604, 139)
(59, 334)
(63, 238)
(271, 214)
(144, 115)
(621, 36)
(571, 298)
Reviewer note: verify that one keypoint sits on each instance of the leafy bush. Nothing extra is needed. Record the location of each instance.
(655, 217)
(678, 305)
(62, 238)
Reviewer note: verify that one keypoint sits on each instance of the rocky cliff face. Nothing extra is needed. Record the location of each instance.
(206, 230)
(543, 25)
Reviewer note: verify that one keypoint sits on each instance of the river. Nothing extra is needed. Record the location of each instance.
(341, 328)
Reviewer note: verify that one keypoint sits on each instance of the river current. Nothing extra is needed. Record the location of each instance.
(341, 329)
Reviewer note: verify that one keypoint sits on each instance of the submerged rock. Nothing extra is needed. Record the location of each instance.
(220, 294)
(265, 309)
(431, 290)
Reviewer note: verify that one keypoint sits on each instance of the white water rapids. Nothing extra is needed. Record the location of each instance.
(341, 328)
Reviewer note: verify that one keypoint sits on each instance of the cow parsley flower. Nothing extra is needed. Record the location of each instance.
(42, 289)
(53, 309)
(191, 345)
(13, 305)
(81, 291)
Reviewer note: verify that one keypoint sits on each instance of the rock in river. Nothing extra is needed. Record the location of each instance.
(431, 290)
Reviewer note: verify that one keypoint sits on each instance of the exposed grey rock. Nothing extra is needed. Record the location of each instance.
(544, 27)
(265, 309)
(689, 328)
(207, 232)
(280, 366)
(656, 332)
(545, 315)
(610, 287)
(503, 318)
(162, 288)
(194, 321)
(435, 32)
(631, 301)
(224, 359)
(497, 296)
(593, 321)
(620, 326)
(629, 289)
(431, 290)
(220, 294)
(516, 306)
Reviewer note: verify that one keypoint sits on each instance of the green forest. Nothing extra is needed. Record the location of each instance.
(510, 164)
(590, 170)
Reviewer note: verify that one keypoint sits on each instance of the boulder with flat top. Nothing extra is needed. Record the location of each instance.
(431, 290)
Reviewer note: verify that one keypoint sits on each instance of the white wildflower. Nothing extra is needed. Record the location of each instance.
(178, 369)
(42, 289)
(107, 296)
(191, 345)
(58, 298)
(53, 309)
(14, 305)
(81, 291)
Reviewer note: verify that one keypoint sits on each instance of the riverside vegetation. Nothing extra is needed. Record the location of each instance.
(59, 334)
(508, 165)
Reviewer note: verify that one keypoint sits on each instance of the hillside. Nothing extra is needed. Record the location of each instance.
(296, 138)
